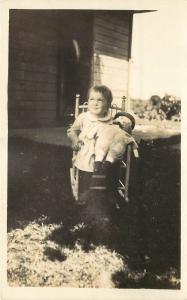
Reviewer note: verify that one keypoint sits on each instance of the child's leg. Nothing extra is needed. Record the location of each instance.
(96, 206)
(112, 181)
(91, 183)
(84, 181)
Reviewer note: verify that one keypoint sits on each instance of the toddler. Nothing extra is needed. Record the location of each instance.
(99, 141)
(110, 147)
(83, 132)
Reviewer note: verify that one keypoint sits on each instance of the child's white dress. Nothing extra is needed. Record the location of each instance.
(86, 126)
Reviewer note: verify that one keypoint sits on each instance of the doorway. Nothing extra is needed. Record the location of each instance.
(74, 60)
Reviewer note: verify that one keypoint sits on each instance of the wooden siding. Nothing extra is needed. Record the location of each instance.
(112, 39)
(33, 52)
(44, 75)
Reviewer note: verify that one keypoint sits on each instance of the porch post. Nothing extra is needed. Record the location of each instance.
(128, 104)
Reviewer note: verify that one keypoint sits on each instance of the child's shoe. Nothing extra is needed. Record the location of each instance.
(106, 166)
(97, 166)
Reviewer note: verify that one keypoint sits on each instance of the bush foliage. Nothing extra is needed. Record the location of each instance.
(156, 108)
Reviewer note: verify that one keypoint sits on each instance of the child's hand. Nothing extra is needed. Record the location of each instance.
(76, 145)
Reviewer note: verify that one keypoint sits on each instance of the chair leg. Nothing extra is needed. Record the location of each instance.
(127, 176)
(74, 177)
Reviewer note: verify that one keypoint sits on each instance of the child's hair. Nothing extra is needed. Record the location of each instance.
(104, 90)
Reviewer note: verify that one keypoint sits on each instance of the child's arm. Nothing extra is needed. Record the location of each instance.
(74, 131)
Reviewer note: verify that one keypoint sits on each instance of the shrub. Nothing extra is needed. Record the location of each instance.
(156, 108)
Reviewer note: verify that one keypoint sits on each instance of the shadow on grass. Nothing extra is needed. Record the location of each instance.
(149, 280)
(55, 254)
(38, 183)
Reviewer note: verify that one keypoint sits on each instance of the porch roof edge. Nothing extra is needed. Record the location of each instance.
(143, 11)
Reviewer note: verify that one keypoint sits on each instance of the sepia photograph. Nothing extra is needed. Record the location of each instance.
(94, 147)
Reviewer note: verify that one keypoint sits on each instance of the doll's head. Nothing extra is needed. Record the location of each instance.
(125, 120)
(99, 100)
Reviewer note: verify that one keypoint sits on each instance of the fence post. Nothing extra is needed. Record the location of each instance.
(130, 64)
(123, 107)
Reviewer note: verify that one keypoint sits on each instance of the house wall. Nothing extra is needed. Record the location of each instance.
(33, 53)
(44, 72)
(112, 43)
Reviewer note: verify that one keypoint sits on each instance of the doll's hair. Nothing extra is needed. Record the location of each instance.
(127, 115)
(104, 90)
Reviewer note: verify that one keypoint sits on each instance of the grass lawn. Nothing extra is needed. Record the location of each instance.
(48, 245)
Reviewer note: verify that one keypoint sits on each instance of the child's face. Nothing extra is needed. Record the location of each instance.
(97, 104)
